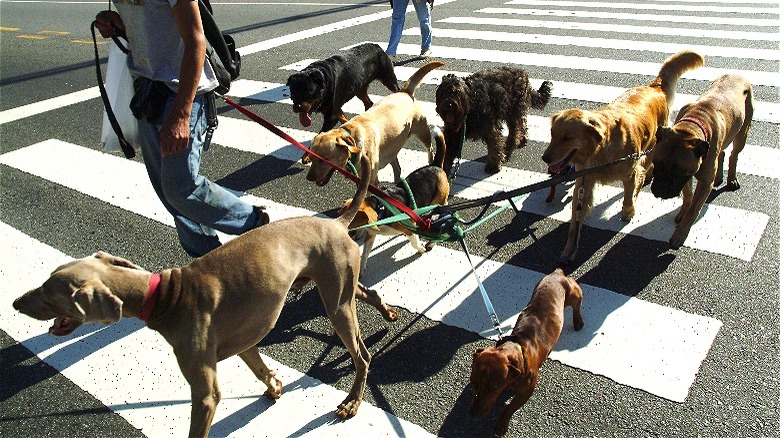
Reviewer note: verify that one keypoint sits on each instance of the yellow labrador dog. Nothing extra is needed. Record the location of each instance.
(626, 126)
(221, 304)
(694, 147)
(379, 133)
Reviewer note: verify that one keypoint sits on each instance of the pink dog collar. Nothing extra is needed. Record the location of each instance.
(151, 297)
(698, 123)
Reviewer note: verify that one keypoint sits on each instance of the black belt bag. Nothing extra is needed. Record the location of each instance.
(148, 102)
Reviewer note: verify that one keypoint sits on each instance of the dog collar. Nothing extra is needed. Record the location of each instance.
(698, 123)
(151, 297)
(509, 338)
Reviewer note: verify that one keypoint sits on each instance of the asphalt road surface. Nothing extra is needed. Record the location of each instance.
(676, 342)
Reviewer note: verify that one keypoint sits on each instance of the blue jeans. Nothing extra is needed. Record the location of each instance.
(397, 25)
(198, 205)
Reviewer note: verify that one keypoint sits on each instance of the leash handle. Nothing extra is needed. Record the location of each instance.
(423, 224)
(127, 148)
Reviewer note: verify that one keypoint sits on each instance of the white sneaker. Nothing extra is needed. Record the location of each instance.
(426, 54)
(392, 58)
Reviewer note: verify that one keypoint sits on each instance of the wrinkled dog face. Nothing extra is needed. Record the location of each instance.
(452, 100)
(677, 157)
(490, 374)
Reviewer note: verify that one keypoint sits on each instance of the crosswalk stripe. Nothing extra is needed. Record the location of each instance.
(584, 63)
(633, 16)
(602, 43)
(156, 399)
(648, 6)
(648, 359)
(616, 28)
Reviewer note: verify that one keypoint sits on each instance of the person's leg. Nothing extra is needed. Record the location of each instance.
(426, 31)
(195, 196)
(195, 239)
(396, 25)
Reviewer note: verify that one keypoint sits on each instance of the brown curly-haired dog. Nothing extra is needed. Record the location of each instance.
(480, 104)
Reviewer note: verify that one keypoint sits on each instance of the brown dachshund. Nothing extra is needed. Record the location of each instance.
(515, 360)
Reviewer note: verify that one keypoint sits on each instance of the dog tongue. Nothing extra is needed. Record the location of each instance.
(555, 168)
(305, 119)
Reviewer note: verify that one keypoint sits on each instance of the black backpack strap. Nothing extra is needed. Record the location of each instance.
(128, 150)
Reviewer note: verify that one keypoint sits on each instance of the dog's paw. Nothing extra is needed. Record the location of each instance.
(274, 390)
(579, 323)
(627, 214)
(429, 246)
(347, 408)
(733, 185)
(390, 314)
(677, 240)
(492, 168)
(501, 427)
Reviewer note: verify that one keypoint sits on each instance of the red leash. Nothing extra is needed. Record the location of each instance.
(423, 224)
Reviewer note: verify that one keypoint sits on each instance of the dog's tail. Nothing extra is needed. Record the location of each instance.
(418, 76)
(362, 189)
(540, 98)
(437, 157)
(672, 69)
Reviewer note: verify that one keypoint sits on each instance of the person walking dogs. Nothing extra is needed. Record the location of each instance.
(423, 9)
(173, 103)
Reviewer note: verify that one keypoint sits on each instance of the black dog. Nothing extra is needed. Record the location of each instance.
(480, 104)
(326, 85)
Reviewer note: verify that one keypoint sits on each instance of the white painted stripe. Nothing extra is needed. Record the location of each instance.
(603, 43)
(43, 106)
(157, 400)
(771, 79)
(631, 16)
(648, 359)
(619, 28)
(760, 161)
(647, 5)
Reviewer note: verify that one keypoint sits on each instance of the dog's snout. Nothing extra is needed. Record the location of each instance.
(17, 304)
(547, 158)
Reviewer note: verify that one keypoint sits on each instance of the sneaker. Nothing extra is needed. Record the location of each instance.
(426, 53)
(392, 57)
(262, 216)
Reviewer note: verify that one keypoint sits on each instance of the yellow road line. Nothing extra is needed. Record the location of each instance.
(53, 32)
(9, 29)
(31, 37)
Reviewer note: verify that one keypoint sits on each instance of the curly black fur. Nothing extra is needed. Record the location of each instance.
(483, 102)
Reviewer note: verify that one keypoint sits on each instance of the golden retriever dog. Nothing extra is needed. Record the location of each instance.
(625, 126)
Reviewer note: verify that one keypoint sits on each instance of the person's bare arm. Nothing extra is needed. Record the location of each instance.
(175, 132)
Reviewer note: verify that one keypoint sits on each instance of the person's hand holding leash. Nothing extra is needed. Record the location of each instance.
(108, 22)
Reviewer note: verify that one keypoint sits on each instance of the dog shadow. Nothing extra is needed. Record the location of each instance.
(459, 423)
(94, 337)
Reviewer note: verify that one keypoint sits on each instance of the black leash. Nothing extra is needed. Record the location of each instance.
(554, 180)
(127, 148)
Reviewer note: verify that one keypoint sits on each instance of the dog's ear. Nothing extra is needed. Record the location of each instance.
(317, 77)
(305, 159)
(596, 129)
(351, 144)
(662, 132)
(553, 117)
(116, 261)
(98, 303)
(478, 352)
(700, 148)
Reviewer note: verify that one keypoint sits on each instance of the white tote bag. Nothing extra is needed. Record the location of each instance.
(119, 87)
